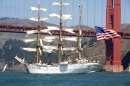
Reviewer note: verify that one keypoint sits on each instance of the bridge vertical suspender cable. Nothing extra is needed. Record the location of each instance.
(64, 22)
(32, 4)
(124, 11)
(24, 9)
(18, 9)
(102, 14)
(27, 9)
(50, 10)
(87, 12)
(94, 11)
(15, 8)
(6, 7)
(1, 9)
(10, 11)
(73, 11)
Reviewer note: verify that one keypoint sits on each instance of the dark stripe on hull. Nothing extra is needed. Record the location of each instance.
(26, 68)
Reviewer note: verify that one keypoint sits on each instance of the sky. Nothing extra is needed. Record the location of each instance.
(93, 13)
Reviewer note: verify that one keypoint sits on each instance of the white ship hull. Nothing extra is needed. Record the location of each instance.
(60, 69)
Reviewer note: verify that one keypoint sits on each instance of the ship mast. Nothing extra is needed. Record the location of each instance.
(79, 33)
(60, 28)
(38, 35)
(39, 43)
(60, 42)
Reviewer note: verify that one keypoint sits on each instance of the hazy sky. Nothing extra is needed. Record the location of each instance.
(94, 11)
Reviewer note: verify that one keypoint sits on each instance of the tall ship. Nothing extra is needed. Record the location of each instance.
(61, 67)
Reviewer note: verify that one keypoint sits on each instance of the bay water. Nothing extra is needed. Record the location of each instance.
(19, 78)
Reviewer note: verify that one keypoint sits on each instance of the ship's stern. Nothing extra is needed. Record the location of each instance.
(25, 68)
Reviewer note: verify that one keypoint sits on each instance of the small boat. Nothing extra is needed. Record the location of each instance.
(4, 68)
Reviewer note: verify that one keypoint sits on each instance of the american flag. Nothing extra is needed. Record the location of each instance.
(105, 34)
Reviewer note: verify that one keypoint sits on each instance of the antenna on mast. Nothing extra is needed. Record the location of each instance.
(81, 4)
(39, 1)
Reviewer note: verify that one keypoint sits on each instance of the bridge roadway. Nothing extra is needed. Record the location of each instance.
(23, 29)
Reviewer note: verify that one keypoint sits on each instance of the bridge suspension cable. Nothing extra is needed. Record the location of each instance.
(124, 10)
(102, 14)
(94, 12)
(73, 10)
(87, 12)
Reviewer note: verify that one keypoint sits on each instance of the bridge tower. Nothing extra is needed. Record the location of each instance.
(113, 46)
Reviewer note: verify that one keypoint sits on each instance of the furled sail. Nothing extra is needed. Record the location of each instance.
(36, 8)
(60, 4)
(34, 50)
(46, 31)
(36, 19)
(70, 38)
(53, 28)
(46, 40)
(64, 29)
(34, 39)
(69, 30)
(50, 47)
(29, 40)
(64, 16)
(41, 43)
(56, 48)
(47, 50)
(80, 32)
(51, 37)
(35, 31)
(29, 49)
(40, 51)
(31, 31)
(69, 48)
